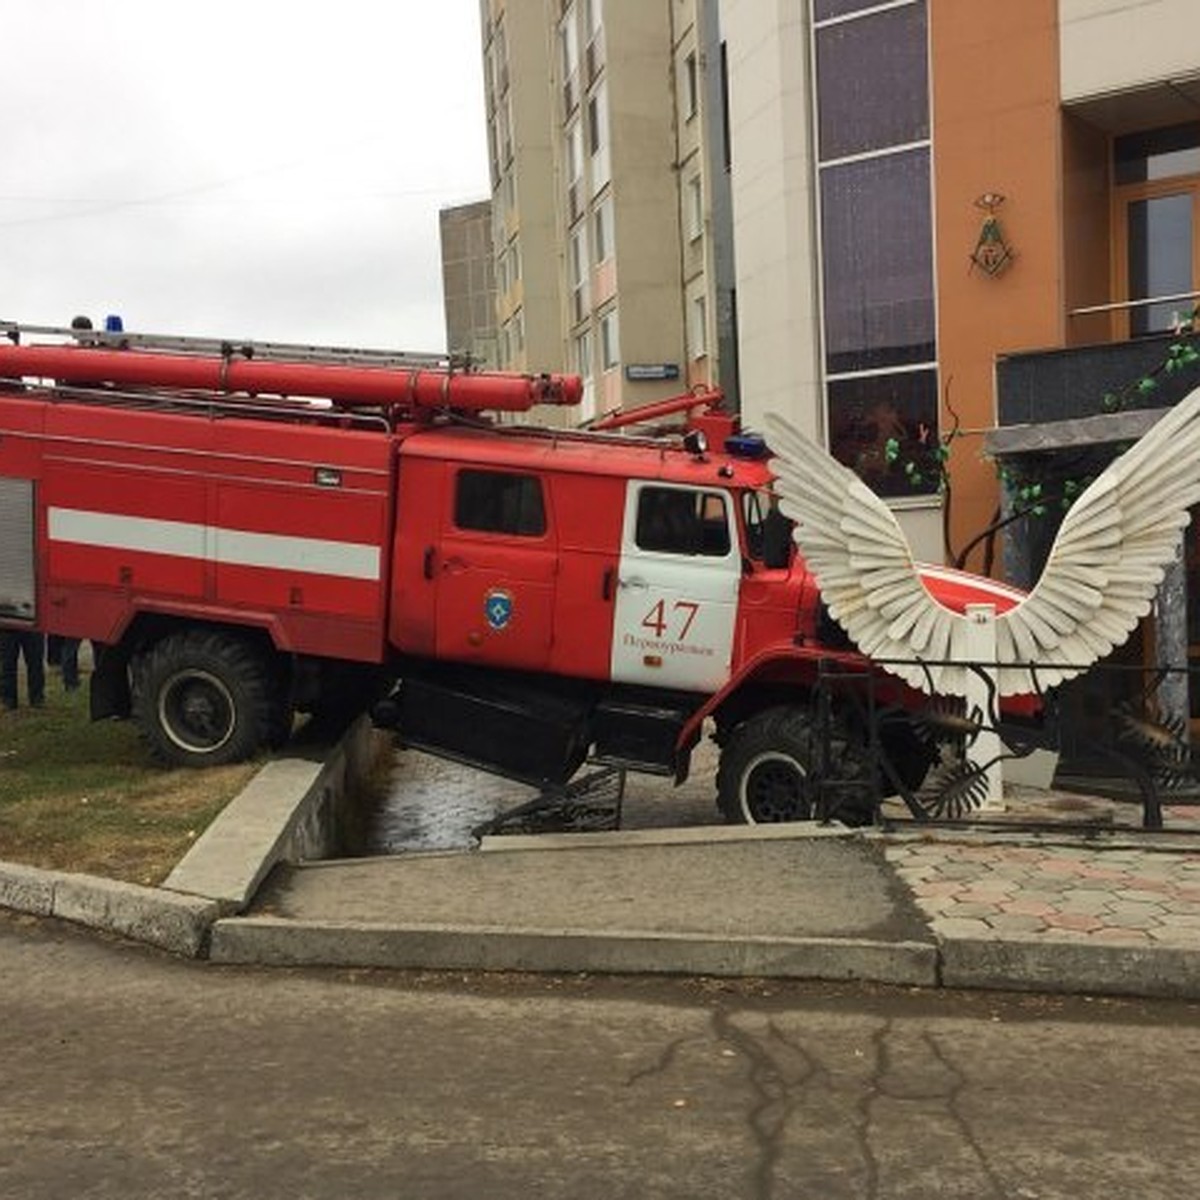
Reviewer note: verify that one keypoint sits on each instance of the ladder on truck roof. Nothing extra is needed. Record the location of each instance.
(106, 362)
(241, 348)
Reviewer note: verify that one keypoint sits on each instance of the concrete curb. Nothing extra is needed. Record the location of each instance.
(1025, 965)
(702, 835)
(274, 941)
(155, 916)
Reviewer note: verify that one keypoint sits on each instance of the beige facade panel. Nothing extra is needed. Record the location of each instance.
(1108, 46)
(774, 211)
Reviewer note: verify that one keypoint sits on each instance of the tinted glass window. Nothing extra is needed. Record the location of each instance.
(824, 9)
(1157, 154)
(885, 428)
(499, 502)
(877, 238)
(679, 521)
(874, 89)
(1160, 260)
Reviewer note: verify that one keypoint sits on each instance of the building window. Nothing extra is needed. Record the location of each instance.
(573, 147)
(823, 10)
(610, 343)
(691, 87)
(875, 191)
(889, 49)
(694, 202)
(504, 120)
(1157, 197)
(568, 42)
(597, 113)
(581, 360)
(594, 32)
(877, 251)
(1157, 154)
(582, 354)
(698, 327)
(500, 47)
(884, 427)
(503, 279)
(602, 224)
(580, 270)
(499, 502)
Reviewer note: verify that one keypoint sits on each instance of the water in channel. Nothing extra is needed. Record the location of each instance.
(433, 804)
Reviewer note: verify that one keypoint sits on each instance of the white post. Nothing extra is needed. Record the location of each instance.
(981, 649)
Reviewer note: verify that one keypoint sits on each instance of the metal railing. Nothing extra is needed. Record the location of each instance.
(1147, 755)
(1125, 305)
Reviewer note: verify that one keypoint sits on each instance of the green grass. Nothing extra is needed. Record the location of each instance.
(78, 796)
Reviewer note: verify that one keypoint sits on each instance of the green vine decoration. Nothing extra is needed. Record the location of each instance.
(1030, 495)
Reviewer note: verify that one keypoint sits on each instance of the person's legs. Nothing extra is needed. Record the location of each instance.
(10, 648)
(33, 645)
(68, 662)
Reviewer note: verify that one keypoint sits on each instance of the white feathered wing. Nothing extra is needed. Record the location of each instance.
(1101, 577)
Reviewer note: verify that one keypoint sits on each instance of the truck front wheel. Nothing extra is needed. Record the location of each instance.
(205, 698)
(770, 765)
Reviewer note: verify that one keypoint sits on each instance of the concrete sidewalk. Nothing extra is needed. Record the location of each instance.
(1106, 912)
(971, 911)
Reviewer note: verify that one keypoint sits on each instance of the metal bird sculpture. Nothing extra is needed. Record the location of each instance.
(1103, 571)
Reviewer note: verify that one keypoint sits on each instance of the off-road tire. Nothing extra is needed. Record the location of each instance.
(769, 766)
(203, 698)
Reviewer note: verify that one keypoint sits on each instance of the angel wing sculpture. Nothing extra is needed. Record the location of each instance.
(1104, 568)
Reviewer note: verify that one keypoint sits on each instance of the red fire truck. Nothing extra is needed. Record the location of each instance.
(248, 529)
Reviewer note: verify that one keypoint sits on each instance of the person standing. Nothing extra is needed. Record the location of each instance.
(16, 644)
(63, 653)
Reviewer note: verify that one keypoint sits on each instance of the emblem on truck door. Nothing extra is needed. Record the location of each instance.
(498, 608)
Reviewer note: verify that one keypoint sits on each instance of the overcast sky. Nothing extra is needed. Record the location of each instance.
(240, 168)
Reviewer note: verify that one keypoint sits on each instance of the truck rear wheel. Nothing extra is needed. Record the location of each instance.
(204, 698)
(769, 770)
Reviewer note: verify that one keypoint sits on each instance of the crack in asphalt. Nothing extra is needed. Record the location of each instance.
(783, 1073)
(778, 1089)
(661, 1065)
(947, 1095)
(863, 1106)
(958, 1086)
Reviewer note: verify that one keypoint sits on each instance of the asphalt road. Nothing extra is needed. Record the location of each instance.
(130, 1074)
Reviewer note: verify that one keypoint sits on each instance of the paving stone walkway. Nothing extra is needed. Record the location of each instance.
(1055, 892)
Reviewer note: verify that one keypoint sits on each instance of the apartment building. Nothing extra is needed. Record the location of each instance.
(603, 210)
(469, 282)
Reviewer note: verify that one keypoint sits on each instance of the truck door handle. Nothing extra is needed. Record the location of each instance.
(428, 564)
(606, 588)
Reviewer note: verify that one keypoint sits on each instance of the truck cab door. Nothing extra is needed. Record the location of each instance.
(494, 568)
(677, 587)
